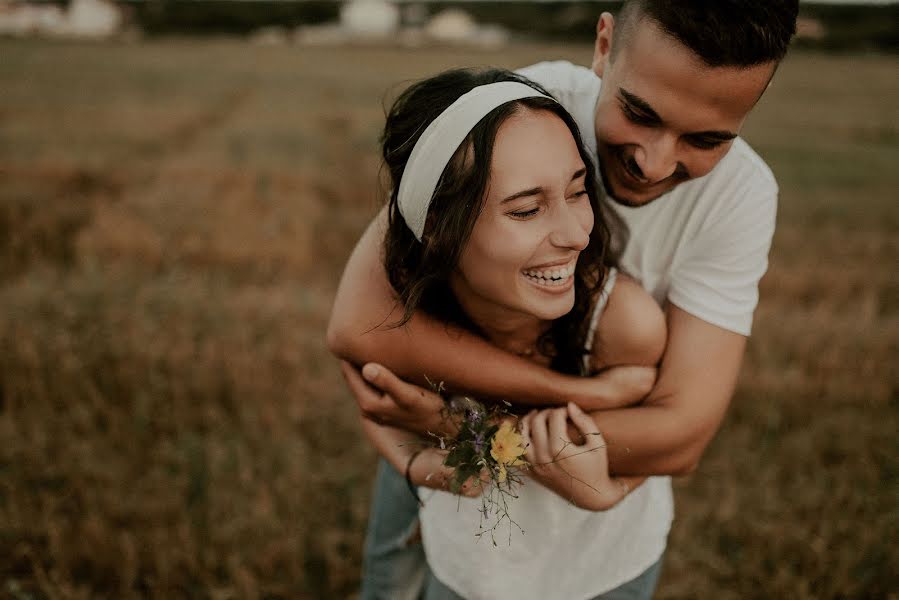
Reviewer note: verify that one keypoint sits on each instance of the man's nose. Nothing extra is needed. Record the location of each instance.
(655, 159)
(570, 228)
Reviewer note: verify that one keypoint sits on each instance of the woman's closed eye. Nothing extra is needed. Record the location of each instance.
(524, 213)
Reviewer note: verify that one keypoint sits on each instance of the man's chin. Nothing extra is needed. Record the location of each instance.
(628, 202)
(631, 199)
(624, 197)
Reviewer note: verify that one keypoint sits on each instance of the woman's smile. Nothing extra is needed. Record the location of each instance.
(556, 279)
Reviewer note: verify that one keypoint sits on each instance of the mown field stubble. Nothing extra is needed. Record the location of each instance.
(174, 217)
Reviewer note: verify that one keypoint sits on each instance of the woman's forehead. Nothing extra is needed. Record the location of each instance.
(533, 148)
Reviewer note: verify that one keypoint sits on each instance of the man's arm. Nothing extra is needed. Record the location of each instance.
(669, 431)
(665, 435)
(359, 331)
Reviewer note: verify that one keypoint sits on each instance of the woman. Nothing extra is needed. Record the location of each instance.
(494, 225)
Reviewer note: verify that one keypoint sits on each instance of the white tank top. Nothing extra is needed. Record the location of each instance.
(565, 553)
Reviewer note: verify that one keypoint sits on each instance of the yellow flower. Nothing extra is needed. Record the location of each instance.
(506, 448)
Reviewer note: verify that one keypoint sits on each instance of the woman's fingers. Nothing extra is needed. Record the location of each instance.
(474, 486)
(586, 426)
(525, 427)
(540, 438)
(558, 431)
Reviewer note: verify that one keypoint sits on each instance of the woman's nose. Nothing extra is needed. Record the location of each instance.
(572, 226)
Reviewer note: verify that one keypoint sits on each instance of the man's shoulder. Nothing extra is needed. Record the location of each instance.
(744, 166)
(740, 182)
(561, 78)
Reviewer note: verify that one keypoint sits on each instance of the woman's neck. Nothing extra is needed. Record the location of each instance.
(510, 330)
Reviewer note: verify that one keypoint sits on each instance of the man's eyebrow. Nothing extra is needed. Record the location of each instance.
(539, 190)
(639, 103)
(643, 106)
(723, 136)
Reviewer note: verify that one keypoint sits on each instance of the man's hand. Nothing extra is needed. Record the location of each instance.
(615, 387)
(388, 400)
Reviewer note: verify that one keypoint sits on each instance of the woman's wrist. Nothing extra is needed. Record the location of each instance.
(409, 483)
(426, 469)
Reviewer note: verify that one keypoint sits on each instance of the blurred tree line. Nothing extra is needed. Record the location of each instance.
(842, 27)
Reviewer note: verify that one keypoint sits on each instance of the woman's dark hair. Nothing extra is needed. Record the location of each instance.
(420, 271)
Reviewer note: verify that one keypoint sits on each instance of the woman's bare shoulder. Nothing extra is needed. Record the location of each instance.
(632, 328)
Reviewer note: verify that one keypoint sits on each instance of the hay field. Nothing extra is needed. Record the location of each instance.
(174, 216)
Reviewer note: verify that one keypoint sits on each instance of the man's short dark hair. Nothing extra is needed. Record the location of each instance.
(739, 33)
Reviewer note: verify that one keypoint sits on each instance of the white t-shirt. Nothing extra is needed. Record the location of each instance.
(702, 246)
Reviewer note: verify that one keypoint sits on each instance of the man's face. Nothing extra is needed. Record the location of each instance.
(663, 116)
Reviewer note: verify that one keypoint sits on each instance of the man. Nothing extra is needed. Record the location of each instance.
(671, 86)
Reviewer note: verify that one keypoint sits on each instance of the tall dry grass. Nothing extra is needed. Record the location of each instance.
(173, 220)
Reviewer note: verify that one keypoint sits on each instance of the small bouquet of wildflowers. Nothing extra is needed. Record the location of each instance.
(487, 450)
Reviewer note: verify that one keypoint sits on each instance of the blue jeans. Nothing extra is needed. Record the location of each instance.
(393, 562)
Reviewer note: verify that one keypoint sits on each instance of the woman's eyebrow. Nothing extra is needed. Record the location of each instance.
(531, 192)
(539, 190)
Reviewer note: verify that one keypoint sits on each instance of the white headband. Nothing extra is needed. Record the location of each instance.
(440, 141)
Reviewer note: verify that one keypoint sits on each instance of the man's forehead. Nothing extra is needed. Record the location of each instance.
(675, 82)
(646, 42)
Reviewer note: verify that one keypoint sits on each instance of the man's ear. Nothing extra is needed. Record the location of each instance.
(602, 48)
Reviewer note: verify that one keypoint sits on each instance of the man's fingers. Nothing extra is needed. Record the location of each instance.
(354, 380)
(404, 394)
(585, 425)
(371, 402)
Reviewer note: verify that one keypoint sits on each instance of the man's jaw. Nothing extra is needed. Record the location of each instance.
(626, 197)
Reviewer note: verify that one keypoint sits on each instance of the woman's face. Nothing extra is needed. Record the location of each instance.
(535, 221)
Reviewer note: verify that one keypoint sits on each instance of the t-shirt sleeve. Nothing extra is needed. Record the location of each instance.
(558, 77)
(717, 279)
(541, 72)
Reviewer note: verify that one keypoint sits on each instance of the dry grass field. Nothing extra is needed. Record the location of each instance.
(174, 216)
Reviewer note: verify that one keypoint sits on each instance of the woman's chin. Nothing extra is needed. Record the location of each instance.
(552, 310)
(549, 302)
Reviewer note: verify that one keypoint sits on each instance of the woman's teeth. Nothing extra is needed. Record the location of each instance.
(555, 276)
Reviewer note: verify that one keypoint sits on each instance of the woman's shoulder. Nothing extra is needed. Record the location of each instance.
(631, 329)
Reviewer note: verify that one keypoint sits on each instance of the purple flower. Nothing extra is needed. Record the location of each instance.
(479, 443)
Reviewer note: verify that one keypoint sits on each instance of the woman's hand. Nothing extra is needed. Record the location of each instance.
(577, 472)
(397, 446)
